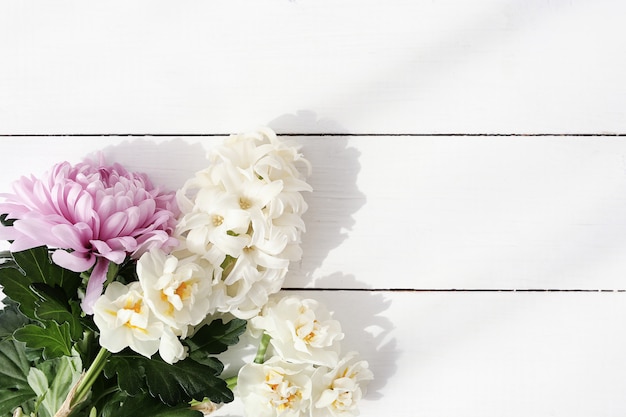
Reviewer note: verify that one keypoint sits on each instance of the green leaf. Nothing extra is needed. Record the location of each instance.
(123, 405)
(54, 306)
(214, 338)
(14, 368)
(11, 399)
(7, 260)
(172, 384)
(124, 273)
(52, 380)
(10, 320)
(35, 267)
(5, 221)
(16, 286)
(55, 340)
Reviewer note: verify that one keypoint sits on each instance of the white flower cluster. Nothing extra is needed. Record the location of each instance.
(240, 226)
(171, 297)
(243, 215)
(306, 376)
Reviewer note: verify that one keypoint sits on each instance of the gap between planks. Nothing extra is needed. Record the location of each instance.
(339, 134)
(452, 290)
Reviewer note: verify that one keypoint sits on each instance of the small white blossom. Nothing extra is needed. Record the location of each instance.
(247, 297)
(177, 290)
(125, 320)
(337, 391)
(220, 223)
(275, 388)
(301, 330)
(171, 349)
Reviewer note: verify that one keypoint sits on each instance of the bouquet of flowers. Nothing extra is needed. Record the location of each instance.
(121, 296)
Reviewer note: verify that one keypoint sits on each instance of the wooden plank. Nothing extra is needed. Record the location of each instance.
(486, 354)
(363, 66)
(469, 212)
(429, 212)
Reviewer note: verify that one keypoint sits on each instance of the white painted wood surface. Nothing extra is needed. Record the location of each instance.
(444, 213)
(365, 66)
(531, 229)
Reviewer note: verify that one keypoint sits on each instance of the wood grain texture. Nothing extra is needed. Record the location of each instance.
(363, 66)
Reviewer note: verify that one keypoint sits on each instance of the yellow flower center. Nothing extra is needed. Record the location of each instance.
(183, 291)
(135, 306)
(308, 337)
(244, 203)
(285, 393)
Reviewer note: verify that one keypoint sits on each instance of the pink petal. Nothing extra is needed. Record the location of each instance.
(36, 229)
(74, 261)
(23, 242)
(112, 226)
(95, 285)
(124, 243)
(105, 206)
(72, 236)
(116, 256)
(8, 233)
(83, 211)
(132, 218)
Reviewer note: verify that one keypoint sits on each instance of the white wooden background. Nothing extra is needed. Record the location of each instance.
(468, 224)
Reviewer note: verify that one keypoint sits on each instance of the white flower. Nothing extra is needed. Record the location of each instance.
(301, 330)
(337, 392)
(246, 296)
(250, 193)
(125, 320)
(275, 388)
(243, 214)
(171, 349)
(220, 224)
(177, 290)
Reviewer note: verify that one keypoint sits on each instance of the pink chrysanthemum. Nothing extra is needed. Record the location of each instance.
(91, 214)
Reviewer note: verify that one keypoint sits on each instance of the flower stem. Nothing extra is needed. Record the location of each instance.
(231, 382)
(260, 353)
(84, 385)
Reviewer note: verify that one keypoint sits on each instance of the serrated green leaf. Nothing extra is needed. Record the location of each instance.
(172, 384)
(10, 320)
(55, 340)
(214, 338)
(14, 365)
(16, 286)
(14, 368)
(35, 267)
(54, 306)
(123, 405)
(11, 399)
(212, 362)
